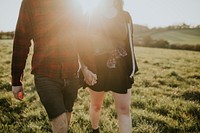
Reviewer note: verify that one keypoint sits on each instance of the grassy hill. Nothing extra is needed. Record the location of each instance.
(165, 97)
(184, 36)
(178, 36)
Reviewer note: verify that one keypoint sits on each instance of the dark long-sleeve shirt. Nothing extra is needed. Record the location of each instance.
(55, 28)
(108, 33)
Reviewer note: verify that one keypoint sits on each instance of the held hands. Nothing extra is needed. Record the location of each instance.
(18, 92)
(89, 77)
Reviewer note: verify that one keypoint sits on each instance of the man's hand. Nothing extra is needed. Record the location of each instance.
(18, 92)
(89, 77)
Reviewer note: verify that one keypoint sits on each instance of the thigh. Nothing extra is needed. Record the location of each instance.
(70, 93)
(96, 97)
(122, 100)
(50, 93)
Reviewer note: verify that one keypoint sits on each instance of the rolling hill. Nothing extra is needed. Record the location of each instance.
(173, 36)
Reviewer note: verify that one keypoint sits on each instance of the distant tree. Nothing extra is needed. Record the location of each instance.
(1, 35)
(185, 26)
(198, 26)
(7, 35)
(161, 44)
(197, 47)
(171, 27)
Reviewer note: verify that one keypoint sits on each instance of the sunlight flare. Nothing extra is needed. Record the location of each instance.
(89, 5)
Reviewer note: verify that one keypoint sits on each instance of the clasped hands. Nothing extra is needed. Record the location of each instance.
(89, 77)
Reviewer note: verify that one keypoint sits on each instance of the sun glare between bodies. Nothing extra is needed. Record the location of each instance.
(89, 5)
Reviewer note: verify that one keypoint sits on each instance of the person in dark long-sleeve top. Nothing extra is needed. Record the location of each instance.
(111, 37)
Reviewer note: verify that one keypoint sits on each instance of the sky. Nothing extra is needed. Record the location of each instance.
(151, 13)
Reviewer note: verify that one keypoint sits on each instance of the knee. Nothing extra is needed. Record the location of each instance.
(96, 107)
(123, 110)
(60, 124)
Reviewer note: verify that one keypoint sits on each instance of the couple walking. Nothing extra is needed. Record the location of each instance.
(100, 43)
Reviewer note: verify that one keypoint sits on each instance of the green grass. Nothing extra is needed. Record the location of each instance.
(165, 97)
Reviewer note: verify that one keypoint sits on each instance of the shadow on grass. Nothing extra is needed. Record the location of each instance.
(162, 126)
(195, 76)
(191, 96)
(161, 111)
(6, 86)
(138, 104)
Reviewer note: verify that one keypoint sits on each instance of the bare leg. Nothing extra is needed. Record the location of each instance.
(95, 107)
(122, 105)
(60, 124)
(68, 117)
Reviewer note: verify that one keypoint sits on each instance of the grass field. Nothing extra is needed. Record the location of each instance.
(165, 97)
(184, 36)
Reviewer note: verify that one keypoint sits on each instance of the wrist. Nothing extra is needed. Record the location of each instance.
(16, 89)
(84, 68)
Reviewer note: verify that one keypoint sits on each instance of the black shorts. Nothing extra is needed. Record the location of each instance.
(112, 79)
(57, 95)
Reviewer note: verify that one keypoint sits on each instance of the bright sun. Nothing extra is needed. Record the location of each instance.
(88, 5)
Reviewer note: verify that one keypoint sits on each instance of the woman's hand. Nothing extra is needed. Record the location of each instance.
(89, 77)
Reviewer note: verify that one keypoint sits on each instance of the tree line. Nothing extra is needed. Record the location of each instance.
(7, 35)
(145, 40)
